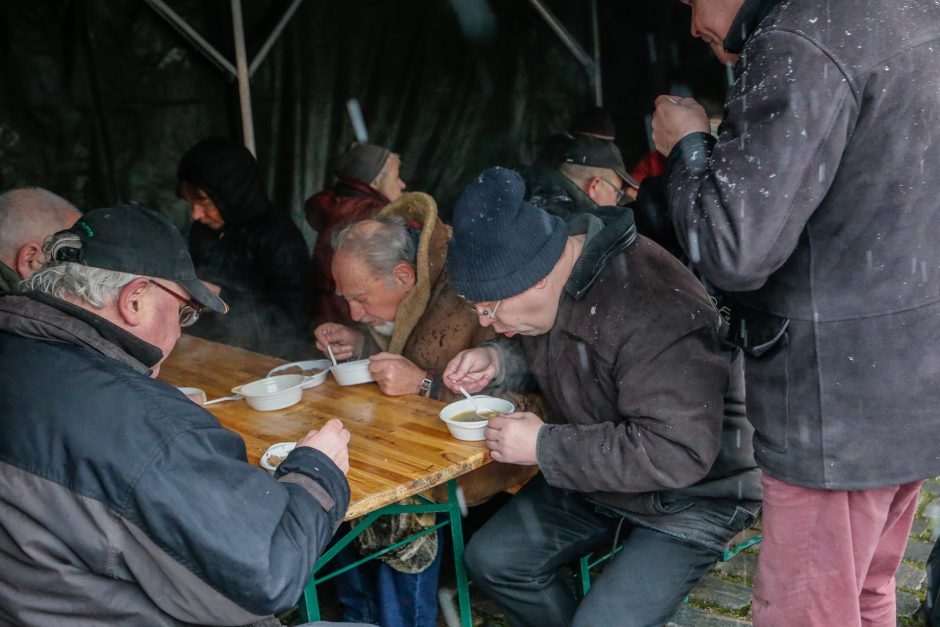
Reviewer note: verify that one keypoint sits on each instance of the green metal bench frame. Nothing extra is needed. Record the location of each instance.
(309, 603)
(585, 564)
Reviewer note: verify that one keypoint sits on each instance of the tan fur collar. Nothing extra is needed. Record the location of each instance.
(432, 248)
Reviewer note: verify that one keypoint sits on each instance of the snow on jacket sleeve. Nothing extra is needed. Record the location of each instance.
(668, 434)
(739, 206)
(252, 538)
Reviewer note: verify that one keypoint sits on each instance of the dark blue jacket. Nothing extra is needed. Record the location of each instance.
(123, 503)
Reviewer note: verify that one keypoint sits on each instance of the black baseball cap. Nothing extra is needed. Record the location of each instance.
(597, 153)
(130, 238)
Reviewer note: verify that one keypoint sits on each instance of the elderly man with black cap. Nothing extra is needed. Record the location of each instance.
(121, 501)
(645, 440)
(591, 177)
(368, 177)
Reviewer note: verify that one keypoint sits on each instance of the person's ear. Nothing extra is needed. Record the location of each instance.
(29, 258)
(404, 275)
(132, 302)
(593, 183)
(541, 284)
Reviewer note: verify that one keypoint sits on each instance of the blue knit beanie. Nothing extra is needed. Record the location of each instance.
(501, 245)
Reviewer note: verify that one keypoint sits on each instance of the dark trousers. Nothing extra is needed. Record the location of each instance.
(516, 556)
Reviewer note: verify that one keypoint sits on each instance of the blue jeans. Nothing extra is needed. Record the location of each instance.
(516, 556)
(377, 593)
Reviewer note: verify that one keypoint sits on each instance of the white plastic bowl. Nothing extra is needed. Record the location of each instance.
(196, 395)
(310, 381)
(473, 430)
(281, 449)
(272, 393)
(352, 372)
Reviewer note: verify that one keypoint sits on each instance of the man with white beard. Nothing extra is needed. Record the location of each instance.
(390, 269)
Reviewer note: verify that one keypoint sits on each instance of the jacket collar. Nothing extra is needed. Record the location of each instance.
(363, 188)
(749, 17)
(603, 242)
(40, 316)
(9, 279)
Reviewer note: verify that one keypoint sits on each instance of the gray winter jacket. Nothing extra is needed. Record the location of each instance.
(819, 203)
(124, 503)
(646, 399)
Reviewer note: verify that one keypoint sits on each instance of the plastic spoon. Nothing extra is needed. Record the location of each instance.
(329, 349)
(476, 408)
(236, 397)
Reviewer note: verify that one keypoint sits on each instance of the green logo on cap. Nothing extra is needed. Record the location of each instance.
(87, 228)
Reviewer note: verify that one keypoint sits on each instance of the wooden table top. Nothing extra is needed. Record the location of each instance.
(399, 446)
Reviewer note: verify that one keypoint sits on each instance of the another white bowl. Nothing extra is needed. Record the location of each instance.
(473, 430)
(272, 393)
(313, 365)
(196, 395)
(352, 372)
(281, 449)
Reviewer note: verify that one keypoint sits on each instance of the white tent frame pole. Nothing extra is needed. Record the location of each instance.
(272, 38)
(241, 71)
(596, 68)
(583, 57)
(193, 37)
(244, 88)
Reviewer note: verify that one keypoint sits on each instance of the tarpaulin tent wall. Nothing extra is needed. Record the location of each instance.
(100, 98)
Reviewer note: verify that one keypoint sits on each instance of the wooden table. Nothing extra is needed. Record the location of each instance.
(399, 447)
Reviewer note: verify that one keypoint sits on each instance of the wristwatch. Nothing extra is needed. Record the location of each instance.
(425, 389)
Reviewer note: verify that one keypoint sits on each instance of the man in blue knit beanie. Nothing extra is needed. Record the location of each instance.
(645, 440)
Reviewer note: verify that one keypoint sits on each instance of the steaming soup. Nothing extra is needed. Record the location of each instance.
(472, 416)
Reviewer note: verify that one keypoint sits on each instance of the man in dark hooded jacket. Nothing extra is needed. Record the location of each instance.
(817, 204)
(252, 251)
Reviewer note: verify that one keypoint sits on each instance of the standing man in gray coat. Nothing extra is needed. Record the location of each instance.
(818, 204)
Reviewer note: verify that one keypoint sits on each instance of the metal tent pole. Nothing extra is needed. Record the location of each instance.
(563, 34)
(241, 64)
(598, 91)
(272, 38)
(192, 36)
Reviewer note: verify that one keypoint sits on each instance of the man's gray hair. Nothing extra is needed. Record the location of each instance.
(66, 279)
(381, 243)
(31, 214)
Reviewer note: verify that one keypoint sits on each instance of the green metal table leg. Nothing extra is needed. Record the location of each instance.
(309, 603)
(584, 575)
(456, 534)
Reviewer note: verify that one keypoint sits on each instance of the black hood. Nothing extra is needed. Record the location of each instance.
(228, 173)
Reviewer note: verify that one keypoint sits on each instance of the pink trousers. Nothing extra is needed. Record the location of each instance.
(828, 557)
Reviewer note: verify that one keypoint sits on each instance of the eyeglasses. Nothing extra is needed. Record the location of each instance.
(189, 310)
(487, 314)
(620, 193)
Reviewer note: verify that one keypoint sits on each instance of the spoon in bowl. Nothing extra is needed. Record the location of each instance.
(476, 408)
(329, 349)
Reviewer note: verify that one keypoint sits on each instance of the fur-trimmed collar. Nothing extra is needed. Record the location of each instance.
(432, 249)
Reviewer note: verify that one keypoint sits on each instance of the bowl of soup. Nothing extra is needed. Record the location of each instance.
(352, 372)
(273, 393)
(314, 371)
(466, 419)
(276, 454)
